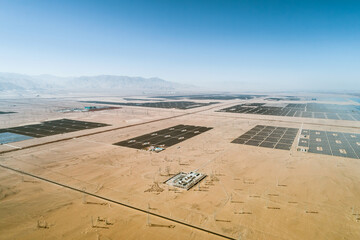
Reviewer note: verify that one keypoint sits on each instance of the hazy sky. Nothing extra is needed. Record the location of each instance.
(234, 45)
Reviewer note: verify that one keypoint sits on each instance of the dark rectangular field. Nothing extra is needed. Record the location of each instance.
(331, 143)
(54, 127)
(211, 97)
(162, 104)
(164, 138)
(285, 98)
(269, 137)
(306, 110)
(1, 112)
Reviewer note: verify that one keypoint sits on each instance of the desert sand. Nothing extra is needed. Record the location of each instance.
(249, 193)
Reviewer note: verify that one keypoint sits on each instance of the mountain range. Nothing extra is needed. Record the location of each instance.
(18, 82)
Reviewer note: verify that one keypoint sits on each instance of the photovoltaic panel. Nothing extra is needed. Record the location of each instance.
(269, 137)
(331, 143)
(54, 127)
(164, 138)
(308, 110)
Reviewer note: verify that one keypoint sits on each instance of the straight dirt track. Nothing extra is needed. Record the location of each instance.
(118, 203)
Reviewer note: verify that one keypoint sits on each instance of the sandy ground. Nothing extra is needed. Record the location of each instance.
(250, 192)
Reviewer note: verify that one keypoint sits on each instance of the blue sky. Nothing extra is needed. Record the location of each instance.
(225, 45)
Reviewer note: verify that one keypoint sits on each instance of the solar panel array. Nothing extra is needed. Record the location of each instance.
(2, 112)
(176, 104)
(211, 96)
(164, 138)
(331, 143)
(269, 137)
(49, 128)
(308, 110)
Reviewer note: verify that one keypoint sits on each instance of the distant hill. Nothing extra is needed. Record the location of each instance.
(13, 81)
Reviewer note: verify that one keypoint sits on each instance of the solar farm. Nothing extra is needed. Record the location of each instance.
(330, 143)
(2, 112)
(269, 137)
(182, 167)
(176, 104)
(164, 138)
(47, 128)
(309, 110)
(211, 97)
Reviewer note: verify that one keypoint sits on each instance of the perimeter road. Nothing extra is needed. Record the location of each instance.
(119, 203)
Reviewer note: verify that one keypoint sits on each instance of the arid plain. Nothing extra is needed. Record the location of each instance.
(59, 187)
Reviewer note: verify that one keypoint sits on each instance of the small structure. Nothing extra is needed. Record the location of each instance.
(185, 180)
(90, 107)
(155, 149)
